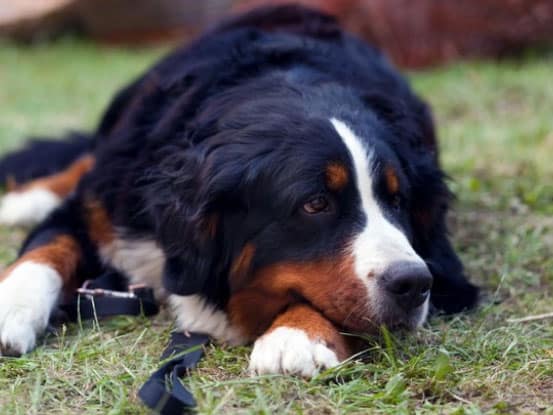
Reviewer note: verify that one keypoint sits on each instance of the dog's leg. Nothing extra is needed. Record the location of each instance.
(34, 201)
(54, 258)
(451, 291)
(29, 290)
(300, 341)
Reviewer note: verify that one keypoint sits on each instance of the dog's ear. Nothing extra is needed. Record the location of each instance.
(182, 205)
(188, 192)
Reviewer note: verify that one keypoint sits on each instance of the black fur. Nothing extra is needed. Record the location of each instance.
(43, 156)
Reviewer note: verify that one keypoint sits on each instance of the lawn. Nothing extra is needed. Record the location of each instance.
(496, 127)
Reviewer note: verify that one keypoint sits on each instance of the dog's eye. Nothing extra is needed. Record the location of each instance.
(317, 204)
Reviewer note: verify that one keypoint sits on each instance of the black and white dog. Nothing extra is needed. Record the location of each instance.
(275, 182)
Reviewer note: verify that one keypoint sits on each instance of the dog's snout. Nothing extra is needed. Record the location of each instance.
(408, 284)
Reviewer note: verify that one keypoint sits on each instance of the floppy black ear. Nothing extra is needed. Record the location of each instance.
(189, 241)
(190, 191)
(182, 197)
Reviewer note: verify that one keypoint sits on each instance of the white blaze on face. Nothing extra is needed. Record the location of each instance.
(380, 244)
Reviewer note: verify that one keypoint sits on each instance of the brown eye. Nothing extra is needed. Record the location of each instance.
(317, 205)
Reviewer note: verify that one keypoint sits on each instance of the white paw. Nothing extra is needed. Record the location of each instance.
(290, 351)
(27, 207)
(27, 297)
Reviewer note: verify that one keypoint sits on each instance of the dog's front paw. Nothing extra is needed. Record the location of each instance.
(17, 333)
(291, 351)
(27, 297)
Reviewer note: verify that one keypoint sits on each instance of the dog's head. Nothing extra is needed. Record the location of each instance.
(274, 206)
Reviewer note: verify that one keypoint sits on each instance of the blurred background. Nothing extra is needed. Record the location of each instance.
(414, 33)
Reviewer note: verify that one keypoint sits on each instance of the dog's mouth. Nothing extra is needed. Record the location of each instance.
(397, 319)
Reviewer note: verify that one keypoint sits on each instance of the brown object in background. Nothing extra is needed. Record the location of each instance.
(419, 33)
(138, 21)
(428, 32)
(31, 19)
(415, 33)
(16, 10)
(112, 21)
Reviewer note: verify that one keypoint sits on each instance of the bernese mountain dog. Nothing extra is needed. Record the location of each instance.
(276, 182)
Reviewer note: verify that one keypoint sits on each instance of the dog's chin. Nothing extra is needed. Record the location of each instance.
(389, 316)
(395, 318)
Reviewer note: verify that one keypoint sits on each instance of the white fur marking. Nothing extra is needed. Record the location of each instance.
(27, 297)
(27, 207)
(380, 243)
(142, 260)
(194, 313)
(290, 351)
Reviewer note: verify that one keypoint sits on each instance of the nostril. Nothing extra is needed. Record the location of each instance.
(400, 287)
(408, 284)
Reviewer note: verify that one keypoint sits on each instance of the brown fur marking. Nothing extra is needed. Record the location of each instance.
(392, 182)
(64, 182)
(100, 228)
(316, 326)
(329, 286)
(62, 253)
(336, 176)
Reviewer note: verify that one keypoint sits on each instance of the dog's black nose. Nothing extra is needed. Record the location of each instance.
(408, 284)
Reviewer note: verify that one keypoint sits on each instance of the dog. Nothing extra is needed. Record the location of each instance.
(276, 182)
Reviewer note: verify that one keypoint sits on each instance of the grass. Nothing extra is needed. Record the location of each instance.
(496, 129)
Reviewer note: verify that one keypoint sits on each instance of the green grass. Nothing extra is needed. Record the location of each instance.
(496, 129)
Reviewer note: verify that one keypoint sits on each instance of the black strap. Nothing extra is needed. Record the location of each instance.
(163, 392)
(107, 296)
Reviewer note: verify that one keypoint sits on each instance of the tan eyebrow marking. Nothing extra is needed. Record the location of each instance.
(337, 176)
(392, 181)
